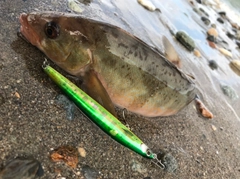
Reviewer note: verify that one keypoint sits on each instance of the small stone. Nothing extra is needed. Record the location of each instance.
(212, 32)
(197, 11)
(202, 109)
(67, 104)
(86, 2)
(238, 35)
(82, 152)
(191, 2)
(213, 26)
(22, 168)
(222, 14)
(238, 43)
(212, 44)
(148, 5)
(185, 40)
(89, 173)
(213, 64)
(197, 53)
(228, 91)
(234, 67)
(220, 20)
(234, 25)
(138, 167)
(225, 52)
(201, 9)
(205, 20)
(230, 35)
(199, 1)
(17, 95)
(236, 63)
(74, 5)
(67, 154)
(211, 38)
(214, 127)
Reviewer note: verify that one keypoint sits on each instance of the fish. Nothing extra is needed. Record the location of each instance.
(116, 68)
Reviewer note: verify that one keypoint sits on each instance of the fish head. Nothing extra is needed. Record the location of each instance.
(58, 36)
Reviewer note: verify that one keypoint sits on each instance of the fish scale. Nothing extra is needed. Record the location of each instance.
(162, 69)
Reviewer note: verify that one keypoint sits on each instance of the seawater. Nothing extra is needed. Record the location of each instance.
(232, 7)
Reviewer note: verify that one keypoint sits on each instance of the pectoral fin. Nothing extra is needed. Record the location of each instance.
(170, 52)
(94, 88)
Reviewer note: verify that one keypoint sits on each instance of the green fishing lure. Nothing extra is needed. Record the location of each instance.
(99, 115)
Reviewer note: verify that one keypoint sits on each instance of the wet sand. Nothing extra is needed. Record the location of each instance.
(32, 124)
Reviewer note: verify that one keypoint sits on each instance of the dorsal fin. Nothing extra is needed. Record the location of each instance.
(170, 52)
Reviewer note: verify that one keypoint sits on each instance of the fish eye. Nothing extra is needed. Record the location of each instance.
(52, 30)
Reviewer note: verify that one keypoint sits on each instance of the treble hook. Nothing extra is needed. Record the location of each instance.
(158, 162)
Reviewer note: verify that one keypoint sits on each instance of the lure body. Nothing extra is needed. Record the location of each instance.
(99, 115)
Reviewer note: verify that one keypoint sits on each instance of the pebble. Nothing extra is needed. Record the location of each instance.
(220, 20)
(82, 152)
(214, 128)
(201, 9)
(222, 14)
(22, 168)
(205, 20)
(234, 25)
(229, 91)
(202, 109)
(170, 52)
(185, 40)
(212, 32)
(234, 68)
(213, 64)
(197, 11)
(138, 167)
(236, 63)
(16, 94)
(148, 5)
(230, 35)
(238, 35)
(67, 154)
(213, 26)
(89, 173)
(225, 52)
(199, 1)
(197, 53)
(211, 38)
(67, 104)
(212, 44)
(238, 43)
(74, 5)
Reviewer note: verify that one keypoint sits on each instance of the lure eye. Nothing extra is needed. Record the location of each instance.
(52, 30)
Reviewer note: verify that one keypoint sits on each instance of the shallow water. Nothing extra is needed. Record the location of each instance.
(150, 26)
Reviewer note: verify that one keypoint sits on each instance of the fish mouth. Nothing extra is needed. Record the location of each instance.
(26, 31)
